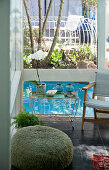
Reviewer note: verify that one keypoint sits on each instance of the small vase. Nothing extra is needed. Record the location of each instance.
(69, 88)
(41, 88)
(59, 88)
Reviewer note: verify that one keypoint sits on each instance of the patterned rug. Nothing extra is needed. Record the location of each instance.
(100, 162)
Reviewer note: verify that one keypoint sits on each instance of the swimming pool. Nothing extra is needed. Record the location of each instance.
(48, 106)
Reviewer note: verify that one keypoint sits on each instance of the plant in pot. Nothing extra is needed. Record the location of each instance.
(24, 119)
(39, 55)
(39, 86)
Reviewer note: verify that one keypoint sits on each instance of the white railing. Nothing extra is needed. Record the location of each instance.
(74, 30)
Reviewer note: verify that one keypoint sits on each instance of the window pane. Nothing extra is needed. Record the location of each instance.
(76, 46)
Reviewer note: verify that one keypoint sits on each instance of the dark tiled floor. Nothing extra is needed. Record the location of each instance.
(94, 139)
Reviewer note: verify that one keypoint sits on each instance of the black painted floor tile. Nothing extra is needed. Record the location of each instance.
(78, 168)
(88, 168)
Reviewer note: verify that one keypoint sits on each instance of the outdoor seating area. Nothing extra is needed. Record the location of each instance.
(54, 85)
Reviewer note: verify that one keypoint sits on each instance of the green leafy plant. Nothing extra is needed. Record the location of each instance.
(34, 81)
(83, 53)
(40, 86)
(56, 58)
(36, 32)
(27, 61)
(27, 45)
(90, 2)
(24, 119)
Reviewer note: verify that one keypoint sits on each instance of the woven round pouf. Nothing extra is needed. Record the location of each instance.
(41, 148)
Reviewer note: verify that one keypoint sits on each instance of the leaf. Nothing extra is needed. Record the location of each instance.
(34, 81)
(24, 119)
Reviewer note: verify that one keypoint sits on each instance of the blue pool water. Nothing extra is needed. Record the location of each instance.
(49, 106)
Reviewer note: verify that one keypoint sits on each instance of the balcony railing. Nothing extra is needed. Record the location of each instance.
(74, 30)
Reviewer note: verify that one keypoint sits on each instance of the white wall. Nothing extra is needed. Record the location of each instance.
(75, 75)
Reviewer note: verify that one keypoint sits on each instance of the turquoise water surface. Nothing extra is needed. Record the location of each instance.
(58, 106)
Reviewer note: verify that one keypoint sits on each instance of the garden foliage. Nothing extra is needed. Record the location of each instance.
(24, 119)
(56, 57)
(83, 53)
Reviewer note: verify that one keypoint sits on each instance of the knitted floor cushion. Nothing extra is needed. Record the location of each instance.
(41, 148)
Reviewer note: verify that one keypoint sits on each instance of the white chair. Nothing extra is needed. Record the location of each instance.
(101, 88)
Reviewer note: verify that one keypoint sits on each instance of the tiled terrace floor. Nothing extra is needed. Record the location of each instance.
(94, 139)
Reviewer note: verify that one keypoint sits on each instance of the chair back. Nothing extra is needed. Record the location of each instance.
(102, 84)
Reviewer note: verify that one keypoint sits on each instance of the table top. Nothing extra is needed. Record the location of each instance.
(61, 95)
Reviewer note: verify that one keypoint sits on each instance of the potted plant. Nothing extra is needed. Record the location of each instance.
(39, 55)
(24, 119)
(39, 86)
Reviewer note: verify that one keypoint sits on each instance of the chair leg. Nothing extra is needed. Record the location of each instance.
(84, 110)
(95, 115)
